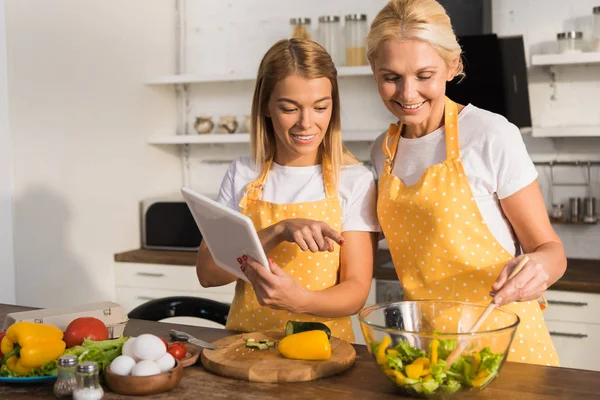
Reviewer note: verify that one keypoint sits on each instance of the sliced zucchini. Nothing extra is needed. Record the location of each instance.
(251, 343)
(298, 326)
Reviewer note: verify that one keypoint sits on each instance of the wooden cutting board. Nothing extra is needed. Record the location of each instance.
(233, 360)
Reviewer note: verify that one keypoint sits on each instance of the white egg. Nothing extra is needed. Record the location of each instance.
(148, 347)
(166, 362)
(127, 349)
(122, 365)
(145, 368)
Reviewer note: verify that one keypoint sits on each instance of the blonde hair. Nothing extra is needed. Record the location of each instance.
(425, 20)
(309, 60)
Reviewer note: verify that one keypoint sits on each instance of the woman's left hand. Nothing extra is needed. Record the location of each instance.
(274, 289)
(529, 284)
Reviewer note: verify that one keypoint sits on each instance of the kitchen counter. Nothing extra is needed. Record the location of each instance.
(582, 275)
(362, 381)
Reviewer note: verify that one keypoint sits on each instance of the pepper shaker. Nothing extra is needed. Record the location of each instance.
(66, 383)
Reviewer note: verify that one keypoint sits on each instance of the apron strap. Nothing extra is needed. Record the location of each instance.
(451, 128)
(328, 178)
(389, 154)
(254, 188)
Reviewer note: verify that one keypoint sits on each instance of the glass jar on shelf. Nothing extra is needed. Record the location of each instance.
(300, 28)
(356, 29)
(596, 31)
(330, 37)
(570, 42)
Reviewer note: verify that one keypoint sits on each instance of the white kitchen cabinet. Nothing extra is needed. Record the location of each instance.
(139, 283)
(577, 344)
(371, 300)
(574, 324)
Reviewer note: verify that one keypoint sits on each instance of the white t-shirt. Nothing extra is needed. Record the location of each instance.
(287, 185)
(494, 157)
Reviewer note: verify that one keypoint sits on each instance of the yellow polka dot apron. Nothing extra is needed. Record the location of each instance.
(441, 246)
(313, 271)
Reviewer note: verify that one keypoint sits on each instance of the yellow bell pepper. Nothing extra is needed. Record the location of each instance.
(380, 356)
(434, 351)
(309, 345)
(28, 345)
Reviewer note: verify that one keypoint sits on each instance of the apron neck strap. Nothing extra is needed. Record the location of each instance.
(389, 153)
(328, 178)
(254, 188)
(451, 128)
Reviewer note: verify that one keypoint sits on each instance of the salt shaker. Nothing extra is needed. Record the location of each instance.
(88, 382)
(65, 383)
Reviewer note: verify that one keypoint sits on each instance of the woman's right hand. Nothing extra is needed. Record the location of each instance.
(310, 234)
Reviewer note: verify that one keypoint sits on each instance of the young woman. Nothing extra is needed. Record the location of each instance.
(458, 194)
(311, 201)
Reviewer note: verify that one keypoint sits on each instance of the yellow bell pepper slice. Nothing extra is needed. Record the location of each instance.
(400, 378)
(476, 362)
(424, 361)
(28, 345)
(435, 344)
(380, 355)
(397, 376)
(480, 378)
(308, 345)
(418, 368)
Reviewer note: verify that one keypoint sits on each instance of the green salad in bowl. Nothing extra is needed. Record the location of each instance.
(411, 341)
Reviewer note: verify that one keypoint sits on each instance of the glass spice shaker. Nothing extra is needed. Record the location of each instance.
(65, 383)
(88, 382)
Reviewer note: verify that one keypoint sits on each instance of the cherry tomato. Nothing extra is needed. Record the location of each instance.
(178, 350)
(165, 342)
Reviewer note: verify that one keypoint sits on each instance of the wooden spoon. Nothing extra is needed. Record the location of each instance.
(488, 310)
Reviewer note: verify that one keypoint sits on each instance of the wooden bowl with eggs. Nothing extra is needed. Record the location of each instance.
(144, 385)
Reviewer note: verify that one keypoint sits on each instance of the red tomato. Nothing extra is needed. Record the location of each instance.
(2, 334)
(85, 327)
(178, 350)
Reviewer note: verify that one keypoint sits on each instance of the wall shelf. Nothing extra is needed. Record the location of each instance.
(566, 131)
(565, 59)
(364, 70)
(221, 138)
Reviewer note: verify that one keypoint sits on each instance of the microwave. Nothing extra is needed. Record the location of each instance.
(168, 224)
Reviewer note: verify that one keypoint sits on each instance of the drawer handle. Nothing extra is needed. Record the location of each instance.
(150, 274)
(146, 298)
(570, 335)
(567, 303)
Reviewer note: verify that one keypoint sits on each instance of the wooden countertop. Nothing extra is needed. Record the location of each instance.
(363, 381)
(582, 275)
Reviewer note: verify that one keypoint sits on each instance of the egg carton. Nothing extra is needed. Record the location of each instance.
(112, 314)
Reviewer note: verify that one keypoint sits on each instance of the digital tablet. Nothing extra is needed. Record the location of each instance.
(228, 234)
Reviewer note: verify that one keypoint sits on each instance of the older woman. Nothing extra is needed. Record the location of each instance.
(458, 194)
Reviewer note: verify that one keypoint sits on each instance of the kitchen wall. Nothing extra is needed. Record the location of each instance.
(214, 46)
(79, 118)
(7, 267)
